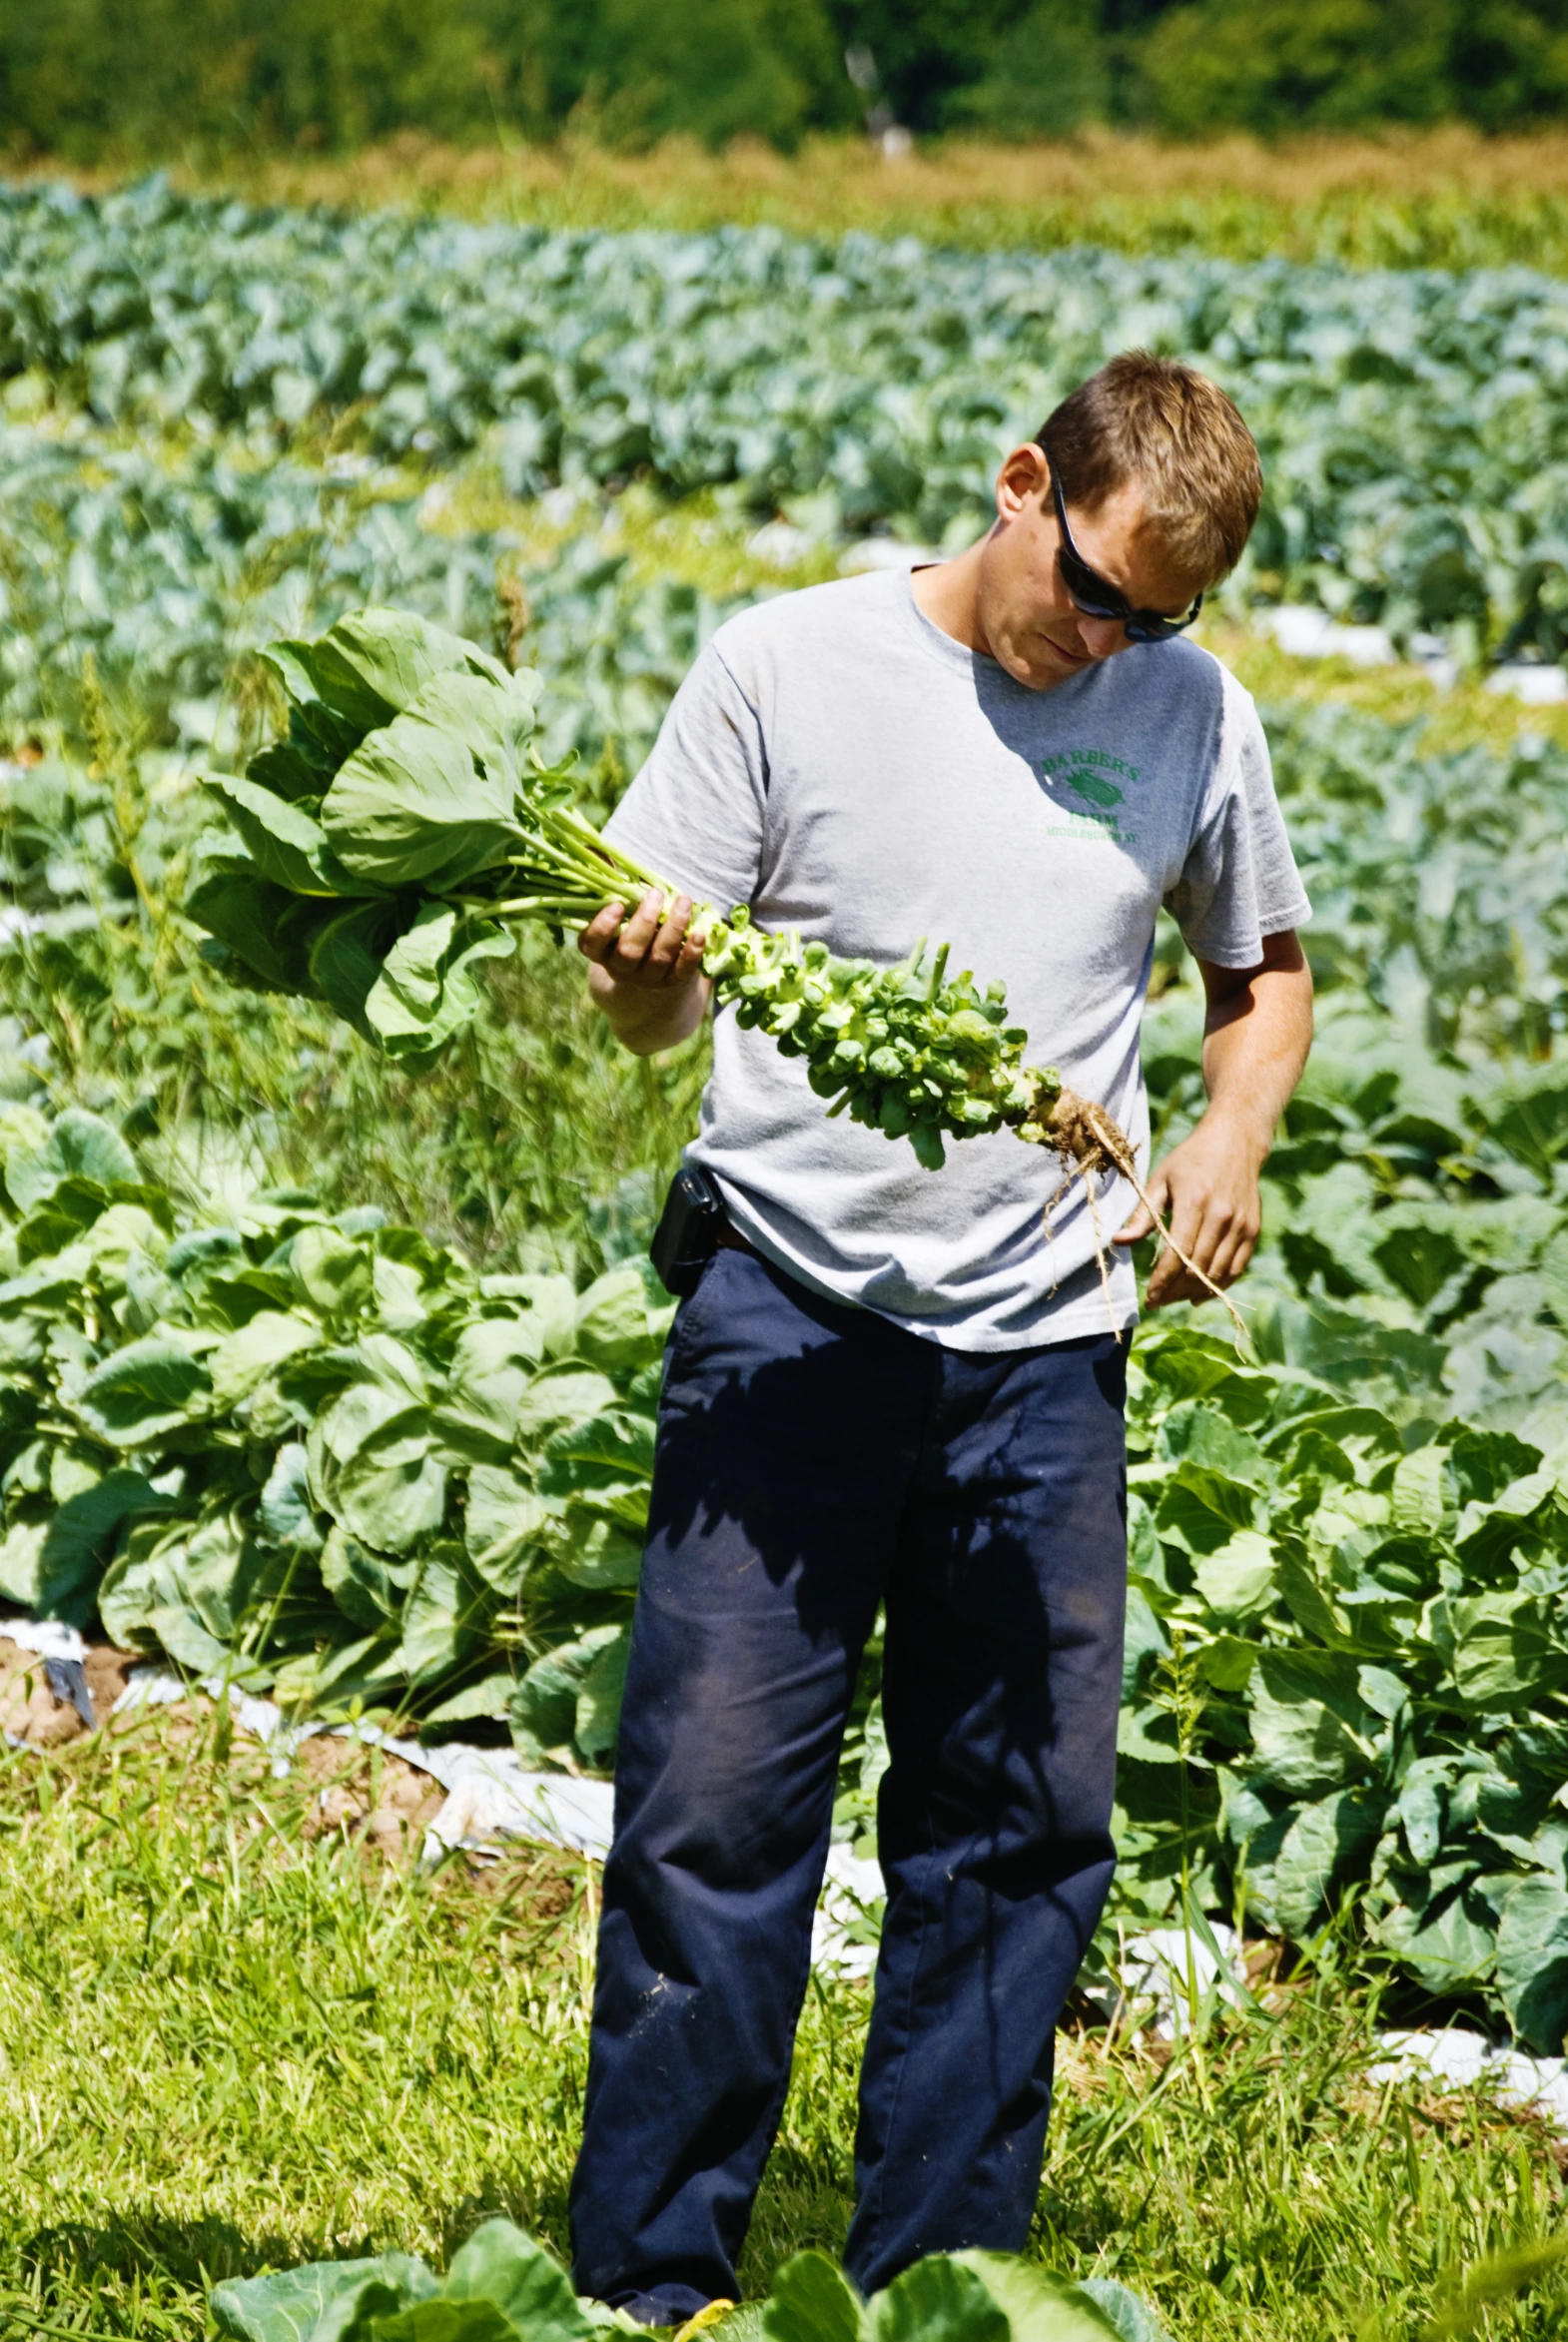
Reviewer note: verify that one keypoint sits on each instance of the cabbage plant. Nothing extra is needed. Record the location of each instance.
(503, 2287)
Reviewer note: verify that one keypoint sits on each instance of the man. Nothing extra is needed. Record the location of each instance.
(905, 1387)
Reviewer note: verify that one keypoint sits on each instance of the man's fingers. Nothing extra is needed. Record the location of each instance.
(1141, 1222)
(664, 951)
(649, 948)
(1222, 1248)
(639, 933)
(1185, 1215)
(600, 938)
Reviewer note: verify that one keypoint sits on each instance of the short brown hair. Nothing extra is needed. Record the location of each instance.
(1168, 428)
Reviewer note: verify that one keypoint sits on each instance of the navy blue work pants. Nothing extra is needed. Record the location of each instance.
(814, 1461)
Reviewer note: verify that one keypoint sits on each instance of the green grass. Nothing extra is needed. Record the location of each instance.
(227, 2043)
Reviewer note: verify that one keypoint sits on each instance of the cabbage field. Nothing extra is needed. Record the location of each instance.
(341, 1379)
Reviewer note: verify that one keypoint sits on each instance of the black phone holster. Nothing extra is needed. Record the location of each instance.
(687, 1235)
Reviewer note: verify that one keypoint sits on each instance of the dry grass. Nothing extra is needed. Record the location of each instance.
(1445, 197)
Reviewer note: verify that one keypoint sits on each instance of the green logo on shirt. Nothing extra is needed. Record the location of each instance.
(1098, 781)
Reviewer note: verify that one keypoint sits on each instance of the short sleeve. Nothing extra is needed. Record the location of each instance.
(695, 812)
(1240, 882)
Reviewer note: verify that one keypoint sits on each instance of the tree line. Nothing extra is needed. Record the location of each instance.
(89, 79)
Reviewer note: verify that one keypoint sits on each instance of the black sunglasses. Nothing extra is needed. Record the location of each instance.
(1096, 596)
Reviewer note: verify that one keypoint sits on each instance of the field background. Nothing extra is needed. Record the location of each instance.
(238, 2024)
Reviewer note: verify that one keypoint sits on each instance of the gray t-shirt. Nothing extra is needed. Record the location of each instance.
(844, 767)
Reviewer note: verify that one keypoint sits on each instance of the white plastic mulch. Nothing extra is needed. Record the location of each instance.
(1306, 632)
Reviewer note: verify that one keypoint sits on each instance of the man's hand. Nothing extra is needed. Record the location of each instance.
(647, 977)
(1206, 1193)
(1256, 1034)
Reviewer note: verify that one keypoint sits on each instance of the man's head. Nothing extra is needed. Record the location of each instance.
(1161, 482)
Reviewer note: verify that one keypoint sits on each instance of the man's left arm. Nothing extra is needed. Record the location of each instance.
(1256, 1033)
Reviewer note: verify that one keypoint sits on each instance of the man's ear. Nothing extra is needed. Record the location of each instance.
(1024, 478)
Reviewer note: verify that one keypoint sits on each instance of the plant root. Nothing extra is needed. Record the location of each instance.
(1087, 1137)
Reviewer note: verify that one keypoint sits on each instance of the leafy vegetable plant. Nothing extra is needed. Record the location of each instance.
(322, 1458)
(399, 827)
(503, 2287)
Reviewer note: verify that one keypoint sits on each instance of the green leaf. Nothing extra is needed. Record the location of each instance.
(149, 1388)
(545, 1709)
(1510, 1648)
(1039, 2305)
(1532, 1962)
(81, 1146)
(597, 1718)
(429, 800)
(1203, 1512)
(1448, 1941)
(1238, 1581)
(442, 1619)
(606, 1468)
(1227, 1663)
(501, 2264)
(1419, 1260)
(226, 1575)
(366, 1587)
(427, 988)
(293, 2305)
(1198, 1434)
(82, 1534)
(492, 1367)
(245, 1360)
(616, 1327)
(1129, 2313)
(563, 1396)
(1310, 1727)
(811, 2300)
(597, 1554)
(1306, 1598)
(329, 1682)
(1327, 1845)
(1419, 1497)
(373, 663)
(442, 2320)
(1528, 1117)
(373, 1456)
(502, 1518)
(1482, 1464)
(268, 930)
(939, 2300)
(393, 1491)
(347, 952)
(286, 1513)
(287, 847)
(335, 1274)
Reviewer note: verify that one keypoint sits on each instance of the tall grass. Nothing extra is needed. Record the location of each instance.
(1438, 199)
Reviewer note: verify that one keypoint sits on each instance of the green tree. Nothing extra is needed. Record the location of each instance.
(1277, 66)
(714, 69)
(1049, 73)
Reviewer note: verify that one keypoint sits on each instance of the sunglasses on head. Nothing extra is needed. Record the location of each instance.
(1096, 596)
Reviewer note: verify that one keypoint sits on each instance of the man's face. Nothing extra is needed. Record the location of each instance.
(1025, 614)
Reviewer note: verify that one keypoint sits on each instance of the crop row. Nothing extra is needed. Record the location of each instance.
(1412, 423)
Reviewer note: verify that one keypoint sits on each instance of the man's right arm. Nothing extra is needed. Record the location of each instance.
(647, 976)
